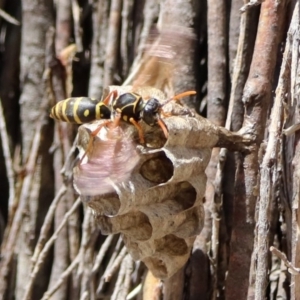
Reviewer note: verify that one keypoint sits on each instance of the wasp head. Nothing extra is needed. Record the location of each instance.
(150, 112)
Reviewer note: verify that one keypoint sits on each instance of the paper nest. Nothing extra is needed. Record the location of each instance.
(159, 208)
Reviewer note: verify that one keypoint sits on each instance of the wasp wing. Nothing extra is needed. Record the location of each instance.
(162, 59)
(110, 162)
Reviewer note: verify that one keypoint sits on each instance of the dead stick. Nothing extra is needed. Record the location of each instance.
(47, 224)
(270, 176)
(291, 268)
(46, 249)
(8, 248)
(8, 162)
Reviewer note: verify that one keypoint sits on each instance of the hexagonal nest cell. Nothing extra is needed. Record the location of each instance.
(152, 195)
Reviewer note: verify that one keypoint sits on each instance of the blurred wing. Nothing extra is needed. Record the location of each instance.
(110, 162)
(161, 59)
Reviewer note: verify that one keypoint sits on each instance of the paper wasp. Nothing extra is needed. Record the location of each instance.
(131, 106)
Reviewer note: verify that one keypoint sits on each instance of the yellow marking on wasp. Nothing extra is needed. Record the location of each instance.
(54, 112)
(98, 111)
(125, 118)
(137, 98)
(86, 113)
(64, 110)
(75, 109)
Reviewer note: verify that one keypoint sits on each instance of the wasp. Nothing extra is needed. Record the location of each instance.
(131, 106)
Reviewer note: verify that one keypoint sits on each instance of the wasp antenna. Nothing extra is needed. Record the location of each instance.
(179, 96)
(184, 94)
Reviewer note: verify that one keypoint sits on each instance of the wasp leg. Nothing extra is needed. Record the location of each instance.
(113, 94)
(116, 120)
(139, 128)
(91, 140)
(162, 125)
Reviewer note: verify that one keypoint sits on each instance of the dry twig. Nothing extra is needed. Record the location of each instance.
(9, 18)
(47, 225)
(250, 4)
(111, 262)
(111, 271)
(46, 249)
(8, 247)
(77, 28)
(270, 177)
(112, 42)
(291, 268)
(8, 162)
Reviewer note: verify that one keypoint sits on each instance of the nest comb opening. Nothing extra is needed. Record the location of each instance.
(158, 169)
(186, 196)
(108, 205)
(134, 224)
(171, 245)
(183, 194)
(154, 136)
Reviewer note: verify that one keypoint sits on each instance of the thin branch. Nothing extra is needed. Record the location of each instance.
(291, 268)
(270, 176)
(47, 224)
(63, 277)
(84, 240)
(111, 262)
(150, 13)
(77, 28)
(9, 18)
(134, 292)
(250, 4)
(111, 271)
(123, 281)
(8, 162)
(101, 255)
(44, 252)
(100, 23)
(291, 130)
(125, 33)
(112, 42)
(8, 248)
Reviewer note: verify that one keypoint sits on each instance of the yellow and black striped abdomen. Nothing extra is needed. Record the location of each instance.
(80, 110)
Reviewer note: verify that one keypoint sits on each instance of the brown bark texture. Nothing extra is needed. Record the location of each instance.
(232, 231)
